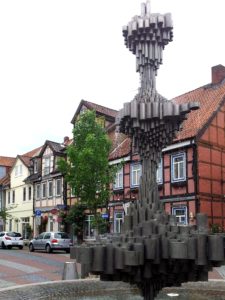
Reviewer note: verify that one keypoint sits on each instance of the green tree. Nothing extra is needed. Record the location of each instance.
(5, 214)
(75, 217)
(87, 170)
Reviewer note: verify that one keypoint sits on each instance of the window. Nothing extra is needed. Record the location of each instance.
(2, 172)
(181, 214)
(25, 227)
(44, 190)
(58, 187)
(29, 193)
(118, 184)
(135, 174)
(46, 165)
(118, 220)
(88, 226)
(159, 173)
(35, 166)
(38, 191)
(18, 170)
(13, 197)
(50, 189)
(24, 194)
(72, 192)
(41, 236)
(178, 170)
(8, 197)
(10, 225)
(47, 236)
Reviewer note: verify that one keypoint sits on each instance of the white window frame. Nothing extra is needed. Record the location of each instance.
(175, 209)
(159, 172)
(47, 165)
(178, 165)
(88, 223)
(118, 220)
(135, 174)
(18, 170)
(118, 183)
(72, 192)
(38, 191)
(50, 195)
(56, 187)
(44, 190)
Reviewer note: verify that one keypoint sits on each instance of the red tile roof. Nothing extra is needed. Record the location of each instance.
(121, 146)
(209, 98)
(33, 152)
(98, 108)
(7, 161)
(25, 160)
(5, 180)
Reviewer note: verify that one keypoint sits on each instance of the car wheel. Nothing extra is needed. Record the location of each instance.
(9, 247)
(20, 247)
(31, 248)
(67, 250)
(48, 249)
(3, 245)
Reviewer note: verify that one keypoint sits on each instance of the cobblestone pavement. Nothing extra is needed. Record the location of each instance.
(73, 289)
(22, 267)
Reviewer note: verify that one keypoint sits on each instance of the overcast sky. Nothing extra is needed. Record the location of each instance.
(55, 53)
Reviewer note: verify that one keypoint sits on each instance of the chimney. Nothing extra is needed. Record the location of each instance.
(66, 140)
(218, 74)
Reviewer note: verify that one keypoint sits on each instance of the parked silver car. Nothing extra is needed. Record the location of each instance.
(50, 241)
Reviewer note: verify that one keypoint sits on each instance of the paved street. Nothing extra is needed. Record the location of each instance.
(22, 267)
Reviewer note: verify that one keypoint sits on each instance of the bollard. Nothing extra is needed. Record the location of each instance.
(70, 271)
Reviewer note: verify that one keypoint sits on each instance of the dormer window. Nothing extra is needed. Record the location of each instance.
(35, 166)
(18, 170)
(46, 165)
(47, 162)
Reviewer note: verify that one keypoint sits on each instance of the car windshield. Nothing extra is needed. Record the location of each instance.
(61, 235)
(13, 234)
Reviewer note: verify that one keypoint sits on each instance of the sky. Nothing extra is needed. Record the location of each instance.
(54, 53)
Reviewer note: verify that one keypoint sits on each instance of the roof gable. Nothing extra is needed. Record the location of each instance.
(57, 148)
(100, 110)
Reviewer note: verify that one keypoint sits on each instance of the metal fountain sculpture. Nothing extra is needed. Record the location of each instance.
(153, 251)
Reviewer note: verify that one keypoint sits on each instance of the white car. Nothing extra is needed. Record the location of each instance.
(11, 239)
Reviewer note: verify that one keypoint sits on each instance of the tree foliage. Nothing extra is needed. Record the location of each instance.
(75, 217)
(87, 170)
(5, 214)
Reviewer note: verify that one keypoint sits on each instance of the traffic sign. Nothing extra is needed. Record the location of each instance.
(37, 212)
(105, 216)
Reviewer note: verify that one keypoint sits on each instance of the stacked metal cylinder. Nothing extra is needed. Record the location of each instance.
(152, 251)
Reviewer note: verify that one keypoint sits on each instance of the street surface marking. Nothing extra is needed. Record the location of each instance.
(21, 267)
